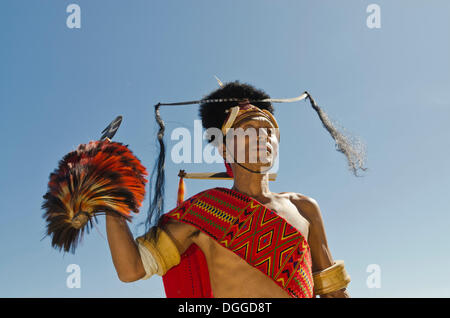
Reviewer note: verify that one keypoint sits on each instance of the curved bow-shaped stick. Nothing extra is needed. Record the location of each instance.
(350, 146)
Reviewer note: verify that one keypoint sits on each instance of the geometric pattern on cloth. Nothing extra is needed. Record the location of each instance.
(255, 233)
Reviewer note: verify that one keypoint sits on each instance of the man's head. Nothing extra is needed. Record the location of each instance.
(250, 131)
(213, 115)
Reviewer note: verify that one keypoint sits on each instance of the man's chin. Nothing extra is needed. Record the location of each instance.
(261, 167)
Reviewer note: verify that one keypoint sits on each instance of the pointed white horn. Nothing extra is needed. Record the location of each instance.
(219, 81)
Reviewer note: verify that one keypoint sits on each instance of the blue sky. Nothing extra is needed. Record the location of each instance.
(60, 87)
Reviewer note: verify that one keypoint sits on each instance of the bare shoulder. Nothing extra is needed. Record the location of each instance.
(306, 205)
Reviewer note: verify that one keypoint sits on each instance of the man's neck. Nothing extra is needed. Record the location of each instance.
(255, 185)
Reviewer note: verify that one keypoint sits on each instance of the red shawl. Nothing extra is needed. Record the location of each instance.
(232, 219)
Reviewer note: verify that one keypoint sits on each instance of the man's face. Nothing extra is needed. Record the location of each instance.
(253, 142)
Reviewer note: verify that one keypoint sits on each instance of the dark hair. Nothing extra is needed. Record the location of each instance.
(213, 114)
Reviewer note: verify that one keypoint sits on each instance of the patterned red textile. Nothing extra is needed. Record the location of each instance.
(249, 229)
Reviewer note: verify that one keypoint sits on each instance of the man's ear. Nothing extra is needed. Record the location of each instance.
(222, 150)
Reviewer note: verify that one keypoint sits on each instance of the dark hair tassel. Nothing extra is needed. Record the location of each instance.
(352, 147)
(156, 208)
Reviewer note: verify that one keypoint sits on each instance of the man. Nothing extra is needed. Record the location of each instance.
(250, 241)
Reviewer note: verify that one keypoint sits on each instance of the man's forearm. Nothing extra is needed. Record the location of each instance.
(124, 250)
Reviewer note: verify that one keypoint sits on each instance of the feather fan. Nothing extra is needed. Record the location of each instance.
(97, 178)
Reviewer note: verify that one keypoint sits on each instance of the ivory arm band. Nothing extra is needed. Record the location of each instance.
(158, 254)
(331, 279)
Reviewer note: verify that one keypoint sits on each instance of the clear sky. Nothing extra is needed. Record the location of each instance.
(59, 87)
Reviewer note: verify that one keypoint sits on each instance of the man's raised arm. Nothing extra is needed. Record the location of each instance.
(124, 249)
(148, 254)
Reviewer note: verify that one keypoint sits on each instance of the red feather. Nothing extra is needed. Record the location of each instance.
(97, 178)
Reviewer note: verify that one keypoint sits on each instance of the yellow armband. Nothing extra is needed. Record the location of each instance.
(331, 279)
(162, 248)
